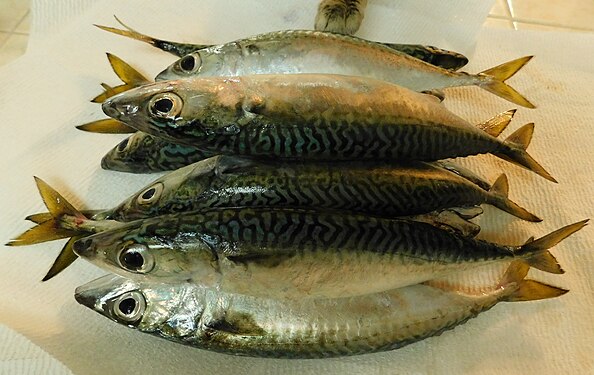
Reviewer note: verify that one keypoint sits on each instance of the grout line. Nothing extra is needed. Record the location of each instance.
(13, 31)
(510, 11)
(541, 23)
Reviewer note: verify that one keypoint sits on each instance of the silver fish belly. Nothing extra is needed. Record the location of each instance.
(296, 254)
(243, 325)
(300, 51)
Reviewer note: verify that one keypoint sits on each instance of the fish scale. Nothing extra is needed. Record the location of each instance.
(243, 325)
(251, 247)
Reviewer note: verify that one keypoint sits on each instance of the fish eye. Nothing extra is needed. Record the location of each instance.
(129, 307)
(122, 146)
(166, 105)
(190, 63)
(136, 258)
(150, 195)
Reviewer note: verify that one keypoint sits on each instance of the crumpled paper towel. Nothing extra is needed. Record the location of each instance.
(45, 94)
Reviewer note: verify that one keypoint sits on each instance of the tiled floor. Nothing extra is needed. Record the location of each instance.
(566, 15)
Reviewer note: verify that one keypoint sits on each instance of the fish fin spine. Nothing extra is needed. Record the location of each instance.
(497, 124)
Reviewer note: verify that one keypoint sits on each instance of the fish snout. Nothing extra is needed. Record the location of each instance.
(85, 298)
(84, 247)
(118, 109)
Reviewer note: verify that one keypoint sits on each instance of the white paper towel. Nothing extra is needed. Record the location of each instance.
(45, 94)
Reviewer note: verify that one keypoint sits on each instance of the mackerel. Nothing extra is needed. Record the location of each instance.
(315, 117)
(302, 51)
(244, 325)
(296, 254)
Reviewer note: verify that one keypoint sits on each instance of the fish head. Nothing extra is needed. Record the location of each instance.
(130, 154)
(148, 307)
(181, 111)
(176, 191)
(187, 66)
(154, 248)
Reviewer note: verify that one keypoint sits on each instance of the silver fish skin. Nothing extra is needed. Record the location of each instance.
(143, 153)
(304, 51)
(433, 55)
(298, 254)
(243, 325)
(374, 188)
(310, 116)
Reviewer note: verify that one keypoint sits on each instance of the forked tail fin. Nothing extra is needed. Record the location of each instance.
(131, 77)
(527, 290)
(495, 82)
(499, 192)
(50, 230)
(535, 253)
(177, 49)
(515, 151)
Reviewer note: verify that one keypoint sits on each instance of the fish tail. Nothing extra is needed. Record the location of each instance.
(495, 82)
(515, 151)
(497, 124)
(125, 72)
(177, 49)
(131, 77)
(64, 259)
(129, 33)
(110, 91)
(535, 253)
(106, 126)
(49, 230)
(499, 192)
(527, 290)
(39, 218)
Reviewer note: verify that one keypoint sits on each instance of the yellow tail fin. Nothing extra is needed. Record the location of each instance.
(39, 218)
(64, 259)
(516, 151)
(535, 252)
(131, 77)
(110, 91)
(50, 230)
(495, 82)
(499, 192)
(106, 126)
(125, 72)
(527, 290)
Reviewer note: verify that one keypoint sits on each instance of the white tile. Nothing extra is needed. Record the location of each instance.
(570, 13)
(498, 23)
(11, 13)
(25, 24)
(14, 47)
